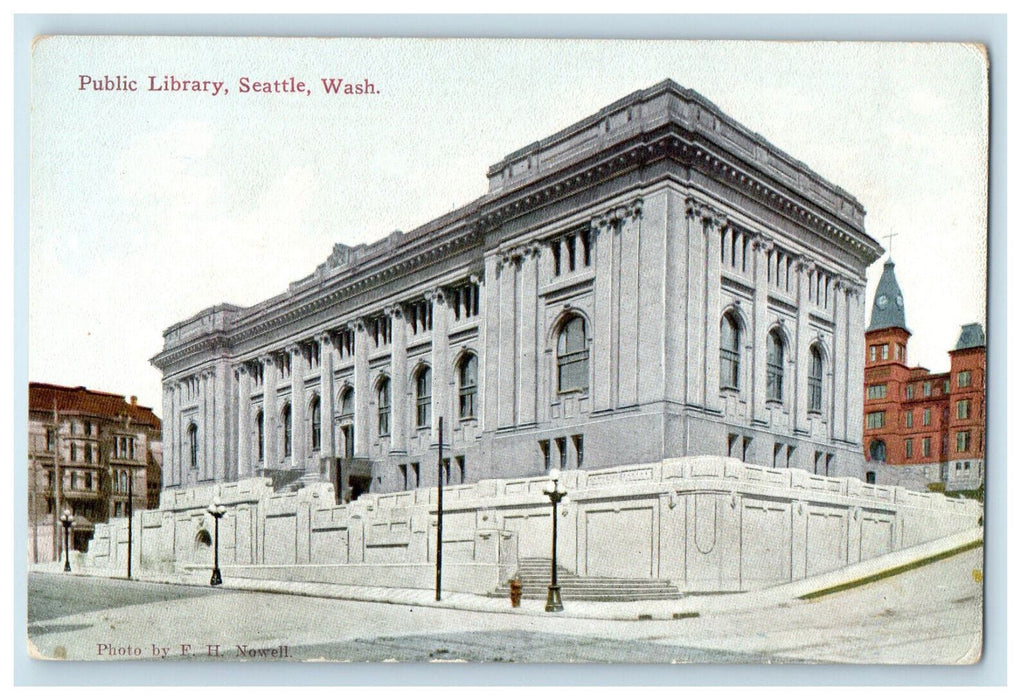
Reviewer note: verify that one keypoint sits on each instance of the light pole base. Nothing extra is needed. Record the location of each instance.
(216, 577)
(67, 565)
(553, 602)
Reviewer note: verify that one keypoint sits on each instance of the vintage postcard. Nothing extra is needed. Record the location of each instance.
(506, 350)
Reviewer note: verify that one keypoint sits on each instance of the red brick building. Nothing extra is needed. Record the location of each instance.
(930, 424)
(86, 449)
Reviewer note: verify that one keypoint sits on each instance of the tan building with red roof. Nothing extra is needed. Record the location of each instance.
(88, 450)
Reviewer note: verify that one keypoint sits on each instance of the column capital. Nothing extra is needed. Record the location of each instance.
(805, 264)
(325, 337)
(762, 243)
(615, 216)
(294, 348)
(705, 212)
(394, 311)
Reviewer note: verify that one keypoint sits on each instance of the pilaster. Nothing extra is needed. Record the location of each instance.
(361, 389)
(507, 394)
(398, 385)
(528, 374)
(840, 316)
(327, 396)
(271, 450)
(603, 301)
(800, 420)
(440, 357)
(762, 245)
(298, 409)
(696, 310)
(244, 462)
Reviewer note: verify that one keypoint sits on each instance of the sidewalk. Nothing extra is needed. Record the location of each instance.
(690, 606)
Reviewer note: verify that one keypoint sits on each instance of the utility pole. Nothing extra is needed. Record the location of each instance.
(439, 521)
(58, 495)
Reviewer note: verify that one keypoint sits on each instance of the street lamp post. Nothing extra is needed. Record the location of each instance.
(217, 511)
(553, 601)
(66, 520)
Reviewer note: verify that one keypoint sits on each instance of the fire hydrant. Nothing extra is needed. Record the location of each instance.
(515, 593)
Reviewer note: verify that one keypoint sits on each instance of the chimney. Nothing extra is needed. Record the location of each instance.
(133, 399)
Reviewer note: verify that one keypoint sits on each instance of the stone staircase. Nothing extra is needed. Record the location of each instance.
(535, 581)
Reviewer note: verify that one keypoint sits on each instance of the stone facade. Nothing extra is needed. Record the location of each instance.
(653, 282)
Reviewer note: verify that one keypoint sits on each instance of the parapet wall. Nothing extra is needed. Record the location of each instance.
(704, 523)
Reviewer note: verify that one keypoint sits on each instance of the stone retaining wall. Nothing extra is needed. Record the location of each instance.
(705, 523)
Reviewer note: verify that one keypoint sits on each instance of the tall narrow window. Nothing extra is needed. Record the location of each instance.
(467, 376)
(814, 381)
(347, 403)
(423, 392)
(572, 356)
(775, 366)
(260, 436)
(287, 431)
(729, 353)
(191, 434)
(316, 424)
(383, 408)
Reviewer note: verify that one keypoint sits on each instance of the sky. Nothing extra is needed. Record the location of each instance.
(149, 206)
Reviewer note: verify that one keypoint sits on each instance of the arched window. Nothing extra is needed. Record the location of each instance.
(729, 353)
(316, 424)
(572, 356)
(383, 407)
(347, 404)
(814, 378)
(260, 436)
(123, 482)
(193, 446)
(775, 366)
(287, 431)
(423, 396)
(877, 451)
(467, 383)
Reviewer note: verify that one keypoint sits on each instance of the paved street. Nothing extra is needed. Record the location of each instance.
(928, 615)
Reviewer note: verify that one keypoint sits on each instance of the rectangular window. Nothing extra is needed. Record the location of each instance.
(945, 386)
(460, 467)
(874, 353)
(746, 447)
(579, 443)
(964, 409)
(403, 475)
(927, 390)
(876, 420)
(909, 419)
(732, 437)
(963, 441)
(908, 448)
(562, 453)
(964, 378)
(876, 391)
(926, 417)
(885, 352)
(74, 452)
(544, 447)
(910, 391)
(89, 481)
(416, 469)
(50, 439)
(926, 447)
(89, 453)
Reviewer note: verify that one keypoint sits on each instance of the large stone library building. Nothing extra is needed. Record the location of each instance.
(654, 281)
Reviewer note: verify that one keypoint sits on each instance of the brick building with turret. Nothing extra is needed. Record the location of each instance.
(931, 425)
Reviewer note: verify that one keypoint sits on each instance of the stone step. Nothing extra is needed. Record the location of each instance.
(535, 576)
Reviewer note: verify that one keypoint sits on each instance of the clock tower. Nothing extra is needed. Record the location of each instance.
(887, 336)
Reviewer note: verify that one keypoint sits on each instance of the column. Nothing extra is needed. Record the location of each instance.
(204, 470)
(528, 371)
(244, 464)
(603, 300)
(441, 358)
(630, 224)
(674, 275)
(176, 438)
(507, 394)
(167, 435)
(221, 424)
(762, 246)
(855, 368)
(361, 389)
(714, 224)
(800, 420)
(298, 410)
(328, 394)
(695, 315)
(400, 418)
(838, 362)
(489, 327)
(271, 454)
